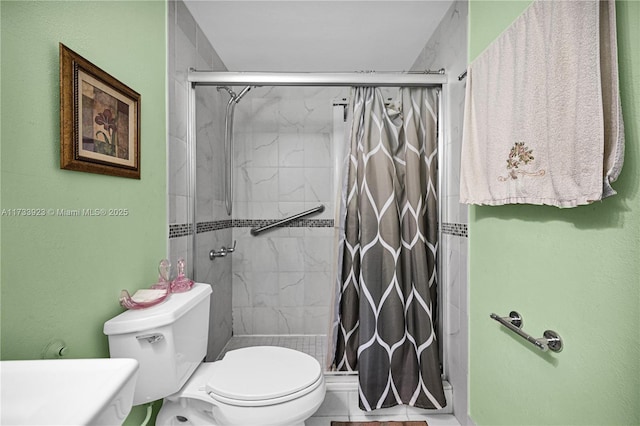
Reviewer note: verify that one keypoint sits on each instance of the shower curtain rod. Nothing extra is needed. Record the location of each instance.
(405, 79)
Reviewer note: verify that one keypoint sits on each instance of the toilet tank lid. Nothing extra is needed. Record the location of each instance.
(176, 305)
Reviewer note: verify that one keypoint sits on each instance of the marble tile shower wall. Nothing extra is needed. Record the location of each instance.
(188, 47)
(447, 48)
(285, 157)
(210, 111)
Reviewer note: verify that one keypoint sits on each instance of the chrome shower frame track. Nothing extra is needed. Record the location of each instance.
(379, 79)
(224, 78)
(191, 177)
(443, 291)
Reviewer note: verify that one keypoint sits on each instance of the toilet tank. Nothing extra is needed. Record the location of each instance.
(169, 341)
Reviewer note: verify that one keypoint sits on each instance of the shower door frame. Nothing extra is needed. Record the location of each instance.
(401, 79)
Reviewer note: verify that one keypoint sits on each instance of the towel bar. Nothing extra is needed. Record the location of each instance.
(550, 340)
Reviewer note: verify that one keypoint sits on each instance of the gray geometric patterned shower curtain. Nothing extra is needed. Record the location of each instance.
(387, 283)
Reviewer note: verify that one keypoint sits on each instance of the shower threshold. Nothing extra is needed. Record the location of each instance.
(342, 386)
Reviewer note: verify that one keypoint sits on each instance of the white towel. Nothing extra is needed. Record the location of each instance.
(543, 122)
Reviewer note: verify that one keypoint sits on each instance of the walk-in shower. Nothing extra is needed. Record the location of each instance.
(275, 288)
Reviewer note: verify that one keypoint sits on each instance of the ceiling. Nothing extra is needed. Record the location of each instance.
(322, 36)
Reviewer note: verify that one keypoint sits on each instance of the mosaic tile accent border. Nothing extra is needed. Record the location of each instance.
(184, 229)
(458, 229)
(298, 223)
(180, 230)
(213, 225)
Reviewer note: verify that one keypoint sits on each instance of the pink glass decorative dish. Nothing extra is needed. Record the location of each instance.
(149, 297)
(181, 283)
(164, 270)
(158, 292)
(143, 298)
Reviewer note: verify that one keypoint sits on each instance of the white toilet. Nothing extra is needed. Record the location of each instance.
(257, 386)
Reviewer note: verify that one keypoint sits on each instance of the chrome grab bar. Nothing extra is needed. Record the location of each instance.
(550, 340)
(256, 231)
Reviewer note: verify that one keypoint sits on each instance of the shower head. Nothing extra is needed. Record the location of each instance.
(241, 94)
(235, 97)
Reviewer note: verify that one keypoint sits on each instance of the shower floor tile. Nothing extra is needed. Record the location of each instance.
(314, 345)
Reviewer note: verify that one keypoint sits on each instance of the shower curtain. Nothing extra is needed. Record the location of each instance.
(386, 288)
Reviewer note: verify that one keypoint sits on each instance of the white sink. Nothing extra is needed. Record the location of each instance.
(67, 391)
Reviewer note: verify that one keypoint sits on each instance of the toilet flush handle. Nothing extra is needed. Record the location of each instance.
(151, 338)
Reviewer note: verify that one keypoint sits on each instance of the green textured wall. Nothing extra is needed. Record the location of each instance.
(61, 276)
(575, 271)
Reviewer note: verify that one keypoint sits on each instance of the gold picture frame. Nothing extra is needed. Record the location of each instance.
(99, 120)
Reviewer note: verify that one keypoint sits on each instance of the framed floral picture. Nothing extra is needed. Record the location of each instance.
(99, 120)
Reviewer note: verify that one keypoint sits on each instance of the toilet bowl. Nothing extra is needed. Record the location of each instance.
(256, 386)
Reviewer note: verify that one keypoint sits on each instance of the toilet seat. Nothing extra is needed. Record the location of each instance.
(267, 402)
(263, 375)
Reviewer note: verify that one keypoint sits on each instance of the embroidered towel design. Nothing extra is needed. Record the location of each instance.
(544, 96)
(519, 155)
